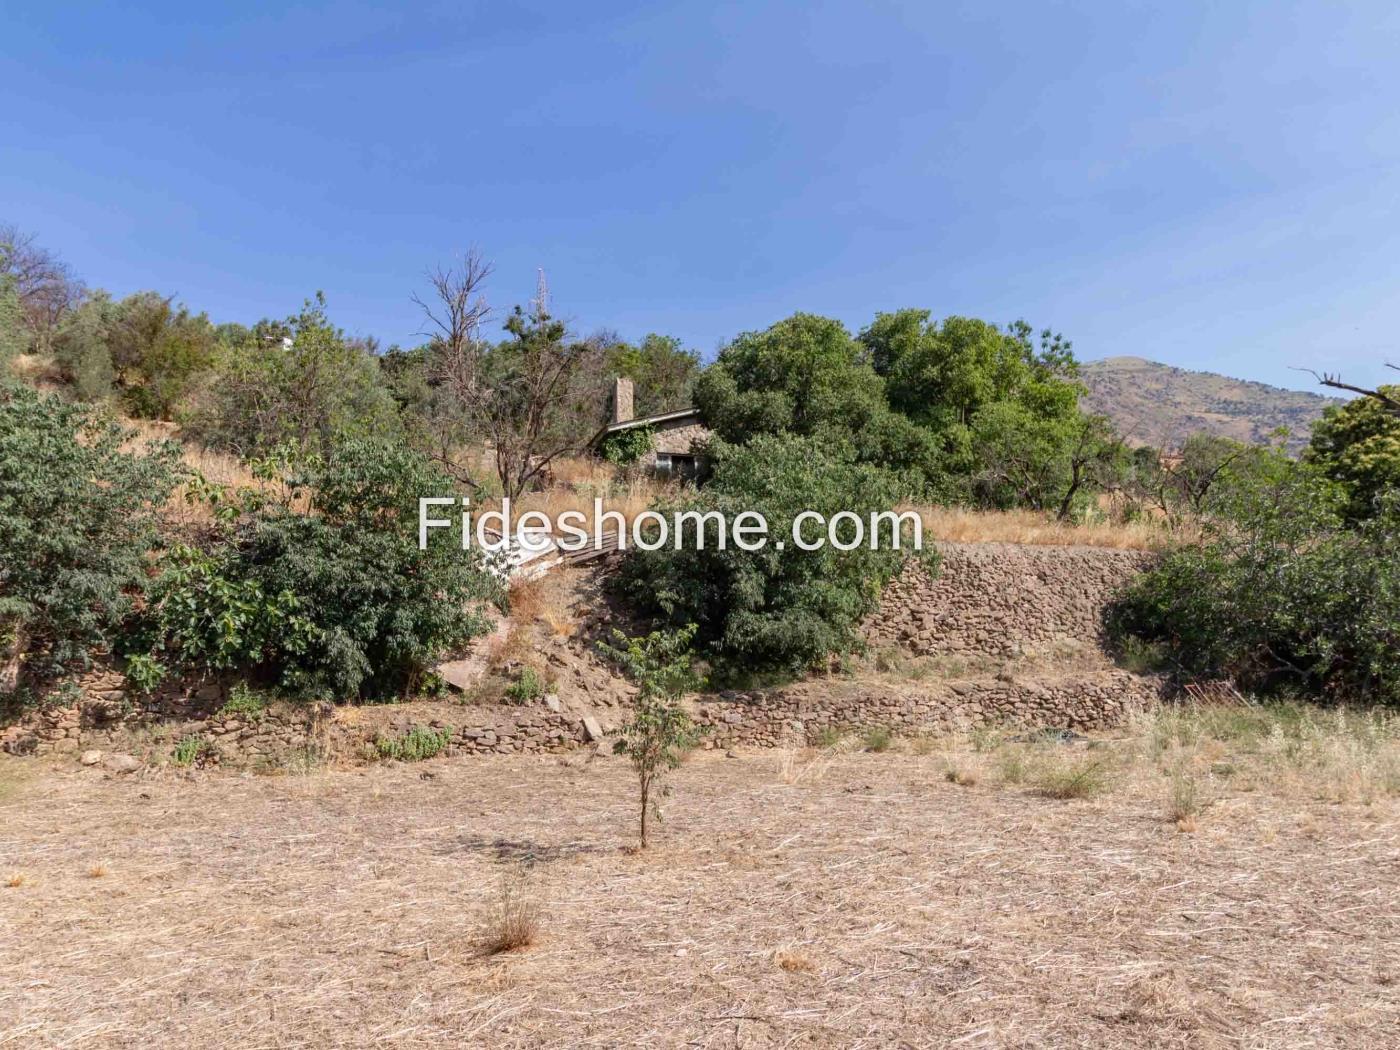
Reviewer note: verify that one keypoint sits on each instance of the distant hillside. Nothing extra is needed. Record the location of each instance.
(1156, 404)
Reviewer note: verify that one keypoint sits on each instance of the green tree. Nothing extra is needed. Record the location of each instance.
(1358, 446)
(663, 371)
(158, 352)
(798, 376)
(806, 376)
(1282, 593)
(660, 731)
(299, 381)
(1047, 464)
(13, 338)
(779, 608)
(77, 518)
(82, 347)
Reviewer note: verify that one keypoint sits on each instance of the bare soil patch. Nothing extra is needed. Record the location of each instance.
(841, 899)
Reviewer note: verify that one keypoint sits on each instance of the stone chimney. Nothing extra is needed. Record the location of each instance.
(622, 400)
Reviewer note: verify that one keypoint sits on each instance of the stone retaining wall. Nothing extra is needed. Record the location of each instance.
(1003, 599)
(110, 718)
(799, 714)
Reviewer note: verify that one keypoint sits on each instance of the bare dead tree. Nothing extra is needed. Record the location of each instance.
(46, 286)
(1334, 380)
(533, 398)
(455, 318)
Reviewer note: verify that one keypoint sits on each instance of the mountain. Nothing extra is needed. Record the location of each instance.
(1156, 404)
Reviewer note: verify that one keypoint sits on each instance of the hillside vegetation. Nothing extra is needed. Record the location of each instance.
(1160, 406)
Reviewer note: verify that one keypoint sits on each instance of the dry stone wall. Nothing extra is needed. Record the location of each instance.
(996, 602)
(799, 715)
(108, 718)
(1003, 599)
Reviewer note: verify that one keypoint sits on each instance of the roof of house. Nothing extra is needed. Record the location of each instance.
(675, 416)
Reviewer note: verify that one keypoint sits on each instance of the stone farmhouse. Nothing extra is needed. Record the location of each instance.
(676, 434)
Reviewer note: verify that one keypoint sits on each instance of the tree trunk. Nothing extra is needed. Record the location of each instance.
(646, 809)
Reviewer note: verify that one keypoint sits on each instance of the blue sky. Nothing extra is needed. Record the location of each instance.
(1213, 185)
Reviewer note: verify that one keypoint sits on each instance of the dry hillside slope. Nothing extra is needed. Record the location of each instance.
(1159, 405)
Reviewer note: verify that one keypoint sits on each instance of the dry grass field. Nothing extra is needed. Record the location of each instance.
(1201, 885)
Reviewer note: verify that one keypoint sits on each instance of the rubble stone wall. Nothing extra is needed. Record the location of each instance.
(1003, 599)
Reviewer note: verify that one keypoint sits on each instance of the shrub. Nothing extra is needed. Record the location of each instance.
(772, 609)
(145, 673)
(243, 702)
(627, 446)
(1283, 594)
(877, 739)
(77, 516)
(190, 749)
(515, 923)
(1081, 778)
(338, 601)
(416, 744)
(529, 686)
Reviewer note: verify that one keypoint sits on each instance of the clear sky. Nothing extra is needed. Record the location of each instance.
(1214, 185)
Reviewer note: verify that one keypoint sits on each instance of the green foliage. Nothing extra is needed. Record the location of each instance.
(877, 739)
(1071, 778)
(205, 614)
(159, 352)
(300, 382)
(81, 347)
(1208, 476)
(1283, 593)
(14, 339)
(663, 372)
(1041, 462)
(415, 745)
(145, 673)
(526, 688)
(337, 601)
(1358, 446)
(190, 749)
(660, 731)
(243, 702)
(773, 609)
(77, 516)
(627, 446)
(806, 376)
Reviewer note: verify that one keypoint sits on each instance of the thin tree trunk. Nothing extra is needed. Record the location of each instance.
(646, 809)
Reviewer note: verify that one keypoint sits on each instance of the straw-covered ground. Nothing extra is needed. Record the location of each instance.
(1232, 885)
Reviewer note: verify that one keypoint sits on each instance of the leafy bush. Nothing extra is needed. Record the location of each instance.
(529, 686)
(1282, 593)
(338, 601)
(416, 744)
(243, 702)
(77, 516)
(772, 609)
(627, 446)
(877, 739)
(192, 748)
(301, 382)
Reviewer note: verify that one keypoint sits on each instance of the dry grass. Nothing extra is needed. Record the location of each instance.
(793, 961)
(550, 601)
(962, 525)
(1065, 777)
(876, 905)
(515, 925)
(14, 881)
